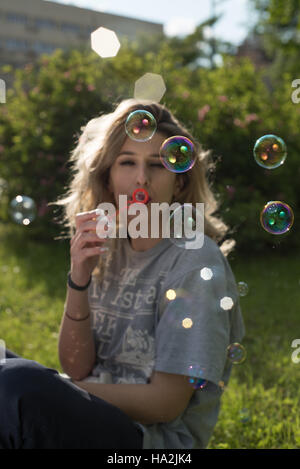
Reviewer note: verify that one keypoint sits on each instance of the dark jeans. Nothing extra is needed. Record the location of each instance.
(41, 409)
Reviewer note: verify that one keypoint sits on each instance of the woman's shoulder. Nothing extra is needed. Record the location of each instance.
(180, 262)
(194, 256)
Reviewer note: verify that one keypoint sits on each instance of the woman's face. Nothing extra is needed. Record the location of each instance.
(138, 166)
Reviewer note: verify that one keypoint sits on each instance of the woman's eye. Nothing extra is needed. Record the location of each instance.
(131, 163)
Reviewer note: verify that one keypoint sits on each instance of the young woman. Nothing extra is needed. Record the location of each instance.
(146, 324)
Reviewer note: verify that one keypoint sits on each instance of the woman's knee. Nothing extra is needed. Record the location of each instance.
(19, 376)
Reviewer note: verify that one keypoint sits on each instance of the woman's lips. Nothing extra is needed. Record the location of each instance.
(131, 201)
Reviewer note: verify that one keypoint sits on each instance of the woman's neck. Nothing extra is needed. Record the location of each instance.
(143, 244)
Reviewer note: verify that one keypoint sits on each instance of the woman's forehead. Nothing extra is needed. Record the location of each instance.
(151, 146)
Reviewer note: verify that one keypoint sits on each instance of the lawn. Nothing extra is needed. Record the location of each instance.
(260, 407)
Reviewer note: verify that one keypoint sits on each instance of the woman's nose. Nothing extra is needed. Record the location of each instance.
(142, 176)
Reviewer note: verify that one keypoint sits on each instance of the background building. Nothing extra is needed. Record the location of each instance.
(29, 28)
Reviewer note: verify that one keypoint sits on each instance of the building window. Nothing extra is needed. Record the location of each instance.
(16, 18)
(70, 28)
(16, 44)
(45, 23)
(43, 48)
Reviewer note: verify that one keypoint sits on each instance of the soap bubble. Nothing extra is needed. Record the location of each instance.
(277, 217)
(23, 210)
(187, 226)
(236, 353)
(270, 151)
(140, 126)
(243, 288)
(178, 154)
(196, 373)
(245, 415)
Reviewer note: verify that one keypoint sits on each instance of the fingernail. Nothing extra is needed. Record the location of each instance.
(103, 249)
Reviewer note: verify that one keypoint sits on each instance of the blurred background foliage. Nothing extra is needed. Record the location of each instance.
(227, 104)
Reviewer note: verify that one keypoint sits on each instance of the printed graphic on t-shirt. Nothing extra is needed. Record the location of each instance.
(137, 350)
(123, 323)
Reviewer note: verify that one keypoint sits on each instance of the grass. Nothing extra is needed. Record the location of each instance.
(260, 406)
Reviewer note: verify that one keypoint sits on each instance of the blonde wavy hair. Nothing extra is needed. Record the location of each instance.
(97, 149)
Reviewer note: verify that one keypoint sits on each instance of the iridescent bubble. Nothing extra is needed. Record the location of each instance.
(140, 126)
(195, 377)
(243, 288)
(236, 353)
(178, 154)
(270, 151)
(23, 209)
(277, 217)
(245, 415)
(187, 226)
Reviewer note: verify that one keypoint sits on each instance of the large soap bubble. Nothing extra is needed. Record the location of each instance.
(178, 154)
(277, 217)
(270, 151)
(236, 353)
(140, 125)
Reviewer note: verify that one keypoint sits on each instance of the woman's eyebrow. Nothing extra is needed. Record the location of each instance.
(126, 153)
(131, 153)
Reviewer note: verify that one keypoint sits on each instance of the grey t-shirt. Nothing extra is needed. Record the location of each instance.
(138, 329)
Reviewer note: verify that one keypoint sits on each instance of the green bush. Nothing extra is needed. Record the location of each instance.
(227, 108)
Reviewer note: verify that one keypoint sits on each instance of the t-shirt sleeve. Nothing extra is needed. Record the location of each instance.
(196, 327)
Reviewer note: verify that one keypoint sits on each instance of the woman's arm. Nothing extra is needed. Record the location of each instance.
(76, 347)
(162, 400)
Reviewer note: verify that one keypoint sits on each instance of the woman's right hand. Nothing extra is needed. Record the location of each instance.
(85, 247)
